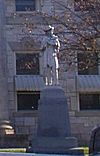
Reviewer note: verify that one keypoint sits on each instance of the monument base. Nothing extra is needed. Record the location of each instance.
(54, 132)
(56, 145)
(53, 115)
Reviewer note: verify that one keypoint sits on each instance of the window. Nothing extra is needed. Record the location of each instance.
(84, 5)
(87, 63)
(89, 101)
(27, 64)
(27, 100)
(25, 5)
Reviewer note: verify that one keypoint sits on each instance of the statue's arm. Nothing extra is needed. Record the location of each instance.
(57, 45)
(43, 45)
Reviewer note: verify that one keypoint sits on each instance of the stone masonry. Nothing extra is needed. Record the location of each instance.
(82, 122)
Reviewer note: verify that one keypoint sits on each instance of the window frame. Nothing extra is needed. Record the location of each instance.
(27, 93)
(34, 7)
(97, 108)
(27, 53)
(91, 70)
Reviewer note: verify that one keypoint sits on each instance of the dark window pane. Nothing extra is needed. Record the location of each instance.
(27, 100)
(25, 5)
(87, 63)
(27, 64)
(89, 101)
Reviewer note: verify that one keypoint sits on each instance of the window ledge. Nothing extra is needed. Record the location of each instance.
(26, 113)
(26, 12)
(88, 113)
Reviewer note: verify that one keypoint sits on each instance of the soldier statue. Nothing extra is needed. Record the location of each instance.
(50, 49)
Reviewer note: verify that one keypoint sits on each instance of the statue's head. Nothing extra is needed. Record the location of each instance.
(49, 30)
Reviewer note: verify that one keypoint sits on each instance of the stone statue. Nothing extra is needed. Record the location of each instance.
(50, 49)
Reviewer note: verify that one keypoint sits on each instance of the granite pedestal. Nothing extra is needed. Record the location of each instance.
(54, 133)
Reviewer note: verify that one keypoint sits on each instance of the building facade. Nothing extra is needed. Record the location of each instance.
(21, 72)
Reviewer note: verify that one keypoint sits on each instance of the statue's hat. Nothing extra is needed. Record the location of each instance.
(48, 28)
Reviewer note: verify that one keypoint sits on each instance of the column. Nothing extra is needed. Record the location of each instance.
(4, 105)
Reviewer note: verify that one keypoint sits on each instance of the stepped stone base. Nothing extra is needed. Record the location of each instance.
(54, 133)
(56, 145)
(13, 141)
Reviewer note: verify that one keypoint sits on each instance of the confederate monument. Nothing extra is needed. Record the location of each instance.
(50, 49)
(53, 132)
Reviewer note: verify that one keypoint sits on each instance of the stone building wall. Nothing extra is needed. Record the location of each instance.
(26, 122)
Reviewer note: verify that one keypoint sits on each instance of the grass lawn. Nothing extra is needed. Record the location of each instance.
(23, 150)
(86, 150)
(16, 150)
